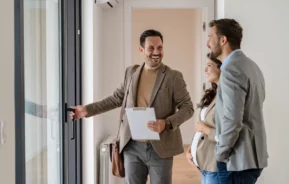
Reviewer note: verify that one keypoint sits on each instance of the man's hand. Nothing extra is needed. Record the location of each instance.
(79, 112)
(157, 126)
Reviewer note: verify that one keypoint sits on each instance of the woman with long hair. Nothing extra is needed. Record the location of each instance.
(201, 153)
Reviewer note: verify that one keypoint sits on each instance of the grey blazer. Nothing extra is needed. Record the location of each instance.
(240, 129)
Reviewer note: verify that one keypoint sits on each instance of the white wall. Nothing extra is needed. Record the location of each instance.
(113, 66)
(108, 72)
(219, 8)
(7, 151)
(265, 24)
(99, 133)
(92, 63)
(102, 58)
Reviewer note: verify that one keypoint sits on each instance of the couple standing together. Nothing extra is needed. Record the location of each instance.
(229, 146)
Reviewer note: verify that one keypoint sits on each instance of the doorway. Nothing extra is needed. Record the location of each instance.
(183, 25)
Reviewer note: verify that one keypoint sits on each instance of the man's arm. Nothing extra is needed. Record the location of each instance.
(109, 103)
(233, 92)
(182, 101)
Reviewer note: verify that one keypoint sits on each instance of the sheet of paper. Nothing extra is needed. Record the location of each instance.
(137, 119)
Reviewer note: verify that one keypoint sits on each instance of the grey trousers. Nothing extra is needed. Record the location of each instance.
(140, 160)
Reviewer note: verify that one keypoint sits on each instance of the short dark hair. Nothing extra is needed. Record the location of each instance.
(148, 33)
(231, 29)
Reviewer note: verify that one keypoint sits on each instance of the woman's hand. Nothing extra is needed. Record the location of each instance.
(190, 158)
(202, 127)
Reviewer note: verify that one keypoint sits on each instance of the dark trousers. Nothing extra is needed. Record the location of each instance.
(249, 176)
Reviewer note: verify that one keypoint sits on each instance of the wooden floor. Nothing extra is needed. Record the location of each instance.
(183, 172)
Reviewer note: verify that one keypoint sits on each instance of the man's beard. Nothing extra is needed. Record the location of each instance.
(154, 62)
(217, 52)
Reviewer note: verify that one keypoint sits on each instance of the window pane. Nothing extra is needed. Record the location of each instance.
(42, 62)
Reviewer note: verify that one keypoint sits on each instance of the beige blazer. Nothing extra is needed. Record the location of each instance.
(169, 94)
(206, 156)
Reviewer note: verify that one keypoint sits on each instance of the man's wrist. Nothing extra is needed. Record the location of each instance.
(169, 125)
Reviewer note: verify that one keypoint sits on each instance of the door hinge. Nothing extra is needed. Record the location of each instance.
(204, 26)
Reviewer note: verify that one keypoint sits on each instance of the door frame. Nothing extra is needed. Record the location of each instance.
(20, 161)
(71, 81)
(208, 14)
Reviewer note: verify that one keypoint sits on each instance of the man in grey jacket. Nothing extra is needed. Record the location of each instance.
(241, 149)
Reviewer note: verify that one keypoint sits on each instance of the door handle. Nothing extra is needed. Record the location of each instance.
(68, 109)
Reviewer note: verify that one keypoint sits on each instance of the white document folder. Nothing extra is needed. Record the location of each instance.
(138, 118)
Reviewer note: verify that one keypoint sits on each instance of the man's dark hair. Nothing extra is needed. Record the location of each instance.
(231, 29)
(148, 33)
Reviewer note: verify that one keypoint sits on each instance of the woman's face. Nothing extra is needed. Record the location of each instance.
(212, 71)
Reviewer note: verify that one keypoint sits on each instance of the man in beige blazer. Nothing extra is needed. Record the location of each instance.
(152, 84)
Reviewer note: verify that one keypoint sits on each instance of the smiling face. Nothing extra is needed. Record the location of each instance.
(152, 51)
(212, 72)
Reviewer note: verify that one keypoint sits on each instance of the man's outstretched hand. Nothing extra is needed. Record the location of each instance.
(79, 112)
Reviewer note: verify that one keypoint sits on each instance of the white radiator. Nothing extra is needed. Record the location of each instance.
(106, 176)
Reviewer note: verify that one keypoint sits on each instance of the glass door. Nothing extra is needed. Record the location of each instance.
(47, 81)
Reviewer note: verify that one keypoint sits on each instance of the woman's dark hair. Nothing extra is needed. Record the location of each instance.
(210, 94)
